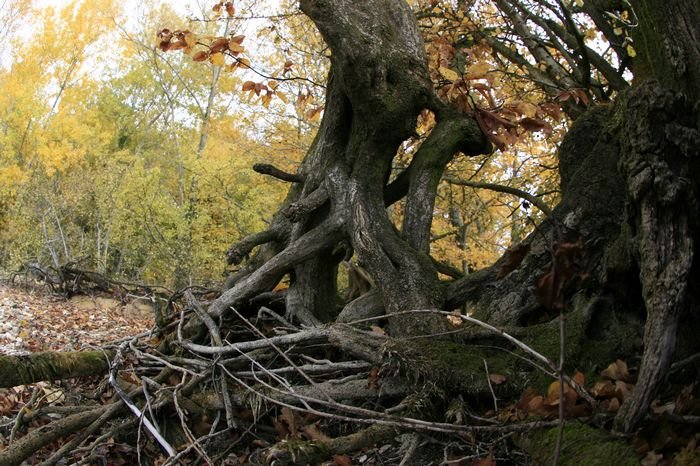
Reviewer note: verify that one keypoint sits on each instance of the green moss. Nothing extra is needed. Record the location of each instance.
(581, 445)
(455, 366)
(545, 338)
(687, 457)
(300, 452)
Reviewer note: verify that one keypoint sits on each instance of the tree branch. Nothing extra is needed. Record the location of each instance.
(504, 189)
(271, 170)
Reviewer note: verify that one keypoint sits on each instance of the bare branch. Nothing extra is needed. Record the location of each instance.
(271, 170)
(504, 189)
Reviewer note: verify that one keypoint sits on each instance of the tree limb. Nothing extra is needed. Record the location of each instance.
(271, 170)
(504, 189)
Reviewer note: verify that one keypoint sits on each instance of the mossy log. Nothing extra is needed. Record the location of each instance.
(581, 445)
(24, 370)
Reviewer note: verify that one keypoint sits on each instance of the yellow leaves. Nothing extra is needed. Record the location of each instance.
(630, 51)
(265, 91)
(478, 70)
(11, 178)
(217, 59)
(314, 113)
(525, 108)
(282, 96)
(448, 74)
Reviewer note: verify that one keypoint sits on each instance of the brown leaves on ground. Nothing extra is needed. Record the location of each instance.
(32, 321)
(533, 404)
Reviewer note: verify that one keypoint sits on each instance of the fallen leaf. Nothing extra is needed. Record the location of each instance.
(617, 371)
(614, 405)
(448, 74)
(342, 460)
(314, 433)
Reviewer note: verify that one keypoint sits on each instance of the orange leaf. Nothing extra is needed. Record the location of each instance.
(190, 39)
(342, 460)
(488, 461)
(230, 10)
(289, 418)
(373, 377)
(603, 389)
(248, 86)
(218, 45)
(535, 124)
(617, 371)
(235, 47)
(200, 56)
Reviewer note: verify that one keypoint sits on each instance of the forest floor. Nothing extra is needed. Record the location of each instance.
(33, 319)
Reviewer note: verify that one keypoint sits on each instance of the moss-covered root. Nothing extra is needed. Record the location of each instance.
(581, 445)
(314, 452)
(23, 370)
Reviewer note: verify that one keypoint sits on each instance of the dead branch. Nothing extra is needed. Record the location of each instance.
(268, 275)
(39, 438)
(537, 202)
(271, 170)
(240, 250)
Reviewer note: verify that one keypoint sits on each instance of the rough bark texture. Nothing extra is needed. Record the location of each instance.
(628, 177)
(378, 84)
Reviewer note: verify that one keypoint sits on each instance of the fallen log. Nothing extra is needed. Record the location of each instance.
(52, 365)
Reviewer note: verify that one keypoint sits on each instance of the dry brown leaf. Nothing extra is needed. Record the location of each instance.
(313, 432)
(617, 371)
(497, 379)
(289, 418)
(342, 460)
(614, 405)
(603, 389)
